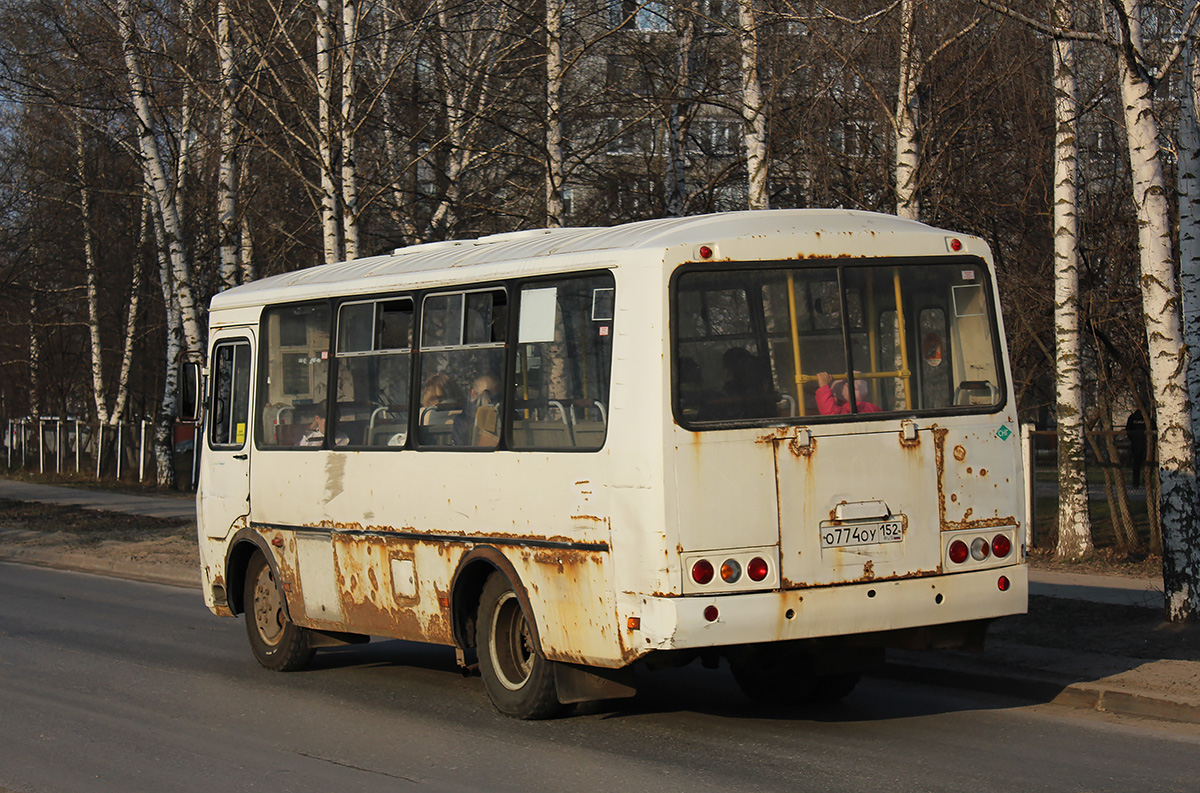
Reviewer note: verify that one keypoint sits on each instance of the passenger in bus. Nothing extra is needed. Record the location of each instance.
(477, 425)
(316, 431)
(747, 391)
(832, 397)
(439, 392)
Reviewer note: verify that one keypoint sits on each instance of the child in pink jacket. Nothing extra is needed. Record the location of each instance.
(831, 397)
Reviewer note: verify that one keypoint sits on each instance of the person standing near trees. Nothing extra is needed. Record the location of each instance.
(1135, 433)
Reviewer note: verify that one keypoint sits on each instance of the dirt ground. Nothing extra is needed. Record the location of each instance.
(1127, 631)
(111, 536)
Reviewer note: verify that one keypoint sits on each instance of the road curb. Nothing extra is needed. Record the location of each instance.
(1046, 688)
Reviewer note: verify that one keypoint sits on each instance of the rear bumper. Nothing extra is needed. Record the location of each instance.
(677, 623)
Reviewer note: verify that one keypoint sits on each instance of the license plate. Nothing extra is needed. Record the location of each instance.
(845, 536)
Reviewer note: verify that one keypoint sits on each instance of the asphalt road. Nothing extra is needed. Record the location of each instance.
(111, 685)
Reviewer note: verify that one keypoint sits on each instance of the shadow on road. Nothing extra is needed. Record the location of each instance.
(689, 689)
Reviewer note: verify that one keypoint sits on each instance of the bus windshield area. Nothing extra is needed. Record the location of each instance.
(767, 344)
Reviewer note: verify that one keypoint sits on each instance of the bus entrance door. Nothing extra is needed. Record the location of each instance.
(224, 490)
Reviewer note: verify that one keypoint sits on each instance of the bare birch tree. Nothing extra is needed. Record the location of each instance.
(165, 196)
(99, 396)
(906, 120)
(1189, 222)
(1161, 300)
(1074, 524)
(347, 125)
(1164, 330)
(555, 167)
(325, 133)
(684, 22)
(227, 170)
(754, 108)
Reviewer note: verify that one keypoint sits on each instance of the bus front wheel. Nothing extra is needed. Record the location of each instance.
(278, 643)
(519, 681)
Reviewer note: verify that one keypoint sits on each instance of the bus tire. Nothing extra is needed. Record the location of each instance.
(519, 681)
(774, 678)
(278, 643)
(834, 688)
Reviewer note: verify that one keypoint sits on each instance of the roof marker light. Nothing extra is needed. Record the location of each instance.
(706, 252)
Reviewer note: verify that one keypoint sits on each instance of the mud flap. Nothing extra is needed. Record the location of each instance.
(587, 683)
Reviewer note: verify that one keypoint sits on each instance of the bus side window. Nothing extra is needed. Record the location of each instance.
(564, 353)
(462, 357)
(294, 379)
(231, 395)
(374, 357)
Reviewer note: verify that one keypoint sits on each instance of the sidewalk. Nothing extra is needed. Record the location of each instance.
(1164, 689)
(106, 501)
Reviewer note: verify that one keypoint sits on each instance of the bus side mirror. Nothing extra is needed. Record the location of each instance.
(189, 391)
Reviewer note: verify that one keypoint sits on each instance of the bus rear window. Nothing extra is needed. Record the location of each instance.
(764, 345)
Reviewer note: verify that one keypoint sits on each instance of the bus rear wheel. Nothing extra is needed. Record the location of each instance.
(519, 681)
(789, 679)
(278, 643)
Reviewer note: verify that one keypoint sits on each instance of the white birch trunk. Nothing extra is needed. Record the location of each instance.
(35, 355)
(1074, 524)
(348, 123)
(754, 112)
(131, 314)
(444, 214)
(685, 30)
(329, 206)
(161, 190)
(227, 175)
(246, 256)
(554, 134)
(99, 398)
(908, 150)
(187, 112)
(1189, 225)
(1164, 336)
(164, 426)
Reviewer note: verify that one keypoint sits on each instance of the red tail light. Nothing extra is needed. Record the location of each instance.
(1001, 546)
(959, 552)
(757, 569)
(1003, 584)
(702, 571)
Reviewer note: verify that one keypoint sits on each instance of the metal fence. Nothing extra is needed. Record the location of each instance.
(123, 452)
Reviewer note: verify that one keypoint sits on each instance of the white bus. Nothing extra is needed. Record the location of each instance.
(783, 438)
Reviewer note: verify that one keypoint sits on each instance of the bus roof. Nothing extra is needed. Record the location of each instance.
(538, 251)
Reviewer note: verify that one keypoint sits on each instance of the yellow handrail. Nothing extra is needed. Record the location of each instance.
(905, 374)
(800, 378)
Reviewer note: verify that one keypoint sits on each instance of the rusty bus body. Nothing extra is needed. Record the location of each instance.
(633, 499)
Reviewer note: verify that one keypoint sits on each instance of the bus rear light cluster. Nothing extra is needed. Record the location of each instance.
(980, 549)
(703, 571)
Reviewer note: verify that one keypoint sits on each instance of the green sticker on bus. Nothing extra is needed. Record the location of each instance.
(1004, 432)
